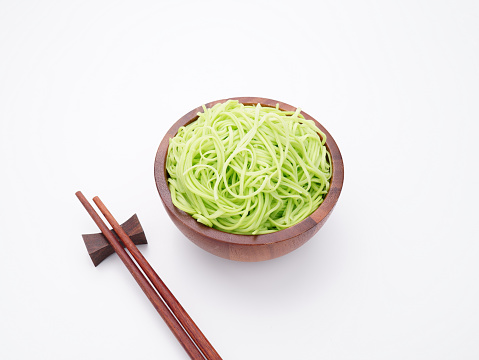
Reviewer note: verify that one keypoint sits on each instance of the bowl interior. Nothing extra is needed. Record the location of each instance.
(318, 216)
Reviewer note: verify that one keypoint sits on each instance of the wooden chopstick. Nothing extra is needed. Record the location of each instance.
(189, 325)
(152, 295)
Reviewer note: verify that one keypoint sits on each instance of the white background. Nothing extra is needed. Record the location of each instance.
(87, 91)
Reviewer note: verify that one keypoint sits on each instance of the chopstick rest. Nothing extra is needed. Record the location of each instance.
(99, 248)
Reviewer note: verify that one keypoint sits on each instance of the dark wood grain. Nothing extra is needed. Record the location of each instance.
(144, 284)
(99, 248)
(189, 325)
(248, 247)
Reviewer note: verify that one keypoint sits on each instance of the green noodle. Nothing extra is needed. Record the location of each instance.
(248, 169)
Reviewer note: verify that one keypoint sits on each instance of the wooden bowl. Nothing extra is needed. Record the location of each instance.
(248, 247)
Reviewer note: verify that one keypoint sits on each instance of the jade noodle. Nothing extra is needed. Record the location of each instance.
(248, 169)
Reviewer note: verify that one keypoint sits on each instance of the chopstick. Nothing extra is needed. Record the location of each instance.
(157, 302)
(175, 307)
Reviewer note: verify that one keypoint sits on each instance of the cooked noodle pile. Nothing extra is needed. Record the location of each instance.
(248, 169)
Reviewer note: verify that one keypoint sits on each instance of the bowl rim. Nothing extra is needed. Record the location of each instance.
(318, 216)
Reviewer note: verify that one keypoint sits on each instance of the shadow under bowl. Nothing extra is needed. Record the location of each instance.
(248, 247)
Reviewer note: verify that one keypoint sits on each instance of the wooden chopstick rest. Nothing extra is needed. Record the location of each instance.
(99, 248)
